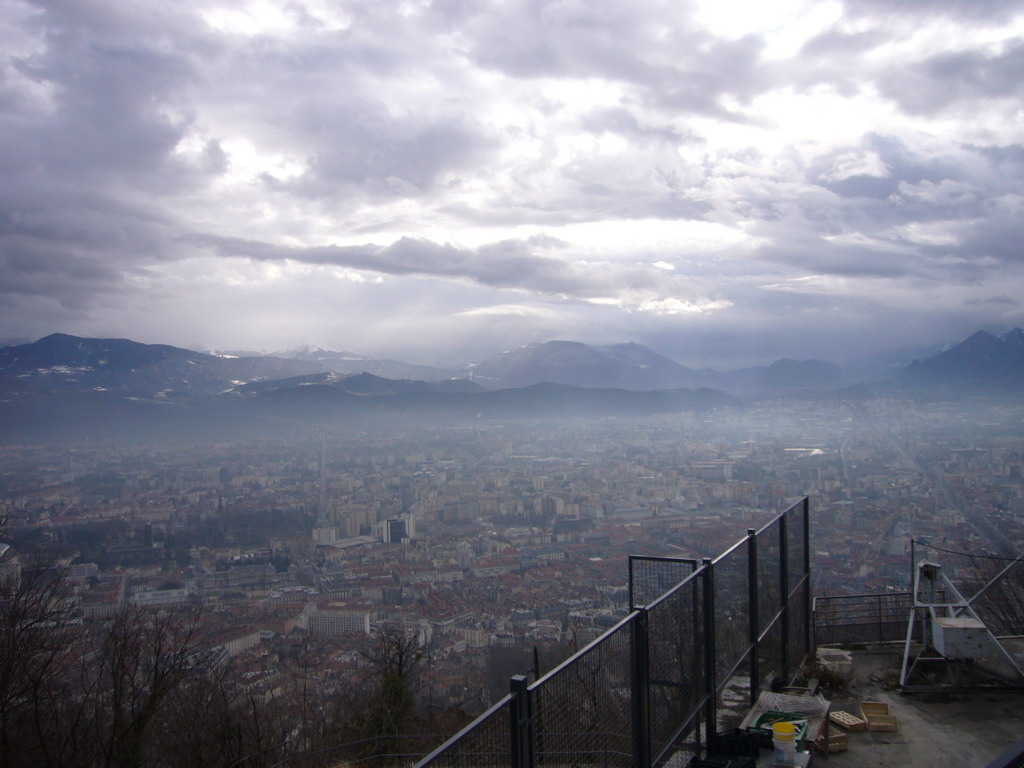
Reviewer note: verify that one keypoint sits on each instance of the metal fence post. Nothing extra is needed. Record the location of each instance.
(881, 635)
(641, 661)
(520, 721)
(632, 607)
(711, 707)
(808, 598)
(814, 622)
(913, 565)
(753, 624)
(784, 591)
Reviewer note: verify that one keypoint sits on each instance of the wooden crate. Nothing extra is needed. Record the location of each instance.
(878, 716)
(848, 721)
(837, 742)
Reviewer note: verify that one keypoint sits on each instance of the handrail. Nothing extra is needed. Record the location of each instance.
(825, 598)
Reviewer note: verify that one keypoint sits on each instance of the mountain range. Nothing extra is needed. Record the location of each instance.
(983, 362)
(342, 361)
(75, 386)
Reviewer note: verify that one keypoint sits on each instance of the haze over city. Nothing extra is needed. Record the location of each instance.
(726, 182)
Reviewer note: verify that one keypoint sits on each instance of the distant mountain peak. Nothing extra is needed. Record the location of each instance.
(317, 352)
(628, 366)
(982, 360)
(982, 339)
(1015, 338)
(74, 363)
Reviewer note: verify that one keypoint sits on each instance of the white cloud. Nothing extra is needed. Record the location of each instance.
(541, 170)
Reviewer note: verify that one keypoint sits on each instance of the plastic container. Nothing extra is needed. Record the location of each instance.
(784, 741)
(766, 720)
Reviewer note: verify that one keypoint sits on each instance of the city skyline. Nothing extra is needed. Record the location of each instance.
(433, 182)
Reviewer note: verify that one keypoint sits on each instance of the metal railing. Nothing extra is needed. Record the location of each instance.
(648, 688)
(875, 618)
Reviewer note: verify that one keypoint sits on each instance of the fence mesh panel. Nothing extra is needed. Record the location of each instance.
(652, 577)
(676, 653)
(487, 744)
(768, 574)
(582, 711)
(732, 611)
(862, 618)
(770, 653)
(797, 649)
(589, 711)
(795, 542)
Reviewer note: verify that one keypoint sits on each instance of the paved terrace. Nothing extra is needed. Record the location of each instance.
(935, 730)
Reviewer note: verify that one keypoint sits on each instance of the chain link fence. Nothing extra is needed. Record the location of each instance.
(877, 618)
(582, 709)
(484, 743)
(676, 681)
(651, 577)
(646, 692)
(732, 610)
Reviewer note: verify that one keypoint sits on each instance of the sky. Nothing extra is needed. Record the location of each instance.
(436, 181)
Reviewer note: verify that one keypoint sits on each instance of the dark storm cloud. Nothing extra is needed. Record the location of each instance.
(887, 210)
(834, 59)
(723, 68)
(863, 185)
(508, 264)
(839, 43)
(901, 185)
(990, 300)
(86, 144)
(625, 123)
(594, 192)
(901, 161)
(106, 73)
(945, 81)
(1000, 237)
(363, 147)
(819, 256)
(532, 38)
(70, 280)
(73, 247)
(669, 63)
(1010, 158)
(968, 11)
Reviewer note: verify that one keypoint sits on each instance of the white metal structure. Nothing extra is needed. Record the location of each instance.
(952, 633)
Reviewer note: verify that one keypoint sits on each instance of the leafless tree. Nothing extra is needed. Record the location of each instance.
(35, 645)
(1001, 605)
(143, 657)
(387, 714)
(207, 721)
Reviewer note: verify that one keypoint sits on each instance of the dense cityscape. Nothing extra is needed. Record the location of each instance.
(494, 547)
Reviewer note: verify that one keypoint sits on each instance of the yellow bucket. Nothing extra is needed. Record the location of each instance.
(784, 741)
(784, 731)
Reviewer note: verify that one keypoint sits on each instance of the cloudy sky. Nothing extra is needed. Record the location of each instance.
(437, 180)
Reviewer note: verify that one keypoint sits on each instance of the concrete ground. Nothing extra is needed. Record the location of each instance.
(960, 730)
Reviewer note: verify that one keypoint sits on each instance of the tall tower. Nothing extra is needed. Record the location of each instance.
(323, 531)
(321, 509)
